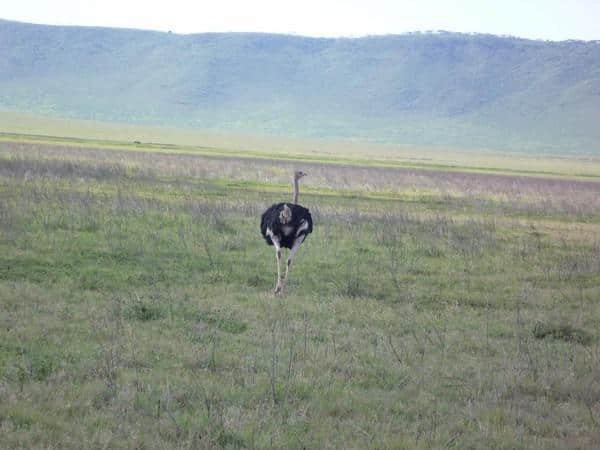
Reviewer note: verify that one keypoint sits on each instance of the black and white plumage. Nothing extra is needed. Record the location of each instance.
(286, 225)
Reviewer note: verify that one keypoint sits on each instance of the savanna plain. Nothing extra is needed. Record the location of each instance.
(431, 307)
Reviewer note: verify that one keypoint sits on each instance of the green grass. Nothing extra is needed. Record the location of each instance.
(362, 160)
(426, 309)
(46, 130)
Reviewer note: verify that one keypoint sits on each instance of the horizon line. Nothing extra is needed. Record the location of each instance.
(308, 36)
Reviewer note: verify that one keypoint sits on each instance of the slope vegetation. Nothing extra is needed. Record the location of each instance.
(444, 90)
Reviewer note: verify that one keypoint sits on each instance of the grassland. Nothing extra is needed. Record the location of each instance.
(430, 307)
(40, 129)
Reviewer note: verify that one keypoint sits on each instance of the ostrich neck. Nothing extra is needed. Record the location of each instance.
(295, 199)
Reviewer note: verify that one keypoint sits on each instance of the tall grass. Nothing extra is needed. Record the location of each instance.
(480, 192)
(426, 310)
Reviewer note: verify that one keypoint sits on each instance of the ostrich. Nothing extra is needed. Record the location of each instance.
(286, 225)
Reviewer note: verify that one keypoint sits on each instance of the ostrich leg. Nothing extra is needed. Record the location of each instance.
(290, 259)
(277, 258)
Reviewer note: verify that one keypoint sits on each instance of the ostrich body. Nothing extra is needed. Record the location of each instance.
(286, 225)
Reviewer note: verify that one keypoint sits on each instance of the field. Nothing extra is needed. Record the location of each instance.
(437, 304)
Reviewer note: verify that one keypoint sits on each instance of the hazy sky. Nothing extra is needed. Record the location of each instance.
(535, 19)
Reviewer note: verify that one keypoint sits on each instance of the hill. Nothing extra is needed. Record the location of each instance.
(443, 90)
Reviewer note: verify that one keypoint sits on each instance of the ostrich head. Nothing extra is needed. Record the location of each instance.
(299, 174)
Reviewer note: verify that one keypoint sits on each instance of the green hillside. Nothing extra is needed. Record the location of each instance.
(443, 90)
